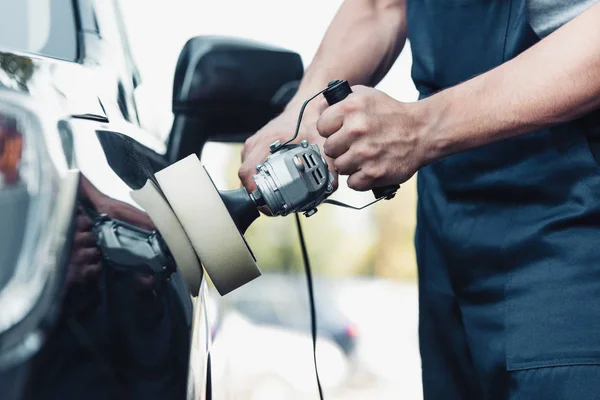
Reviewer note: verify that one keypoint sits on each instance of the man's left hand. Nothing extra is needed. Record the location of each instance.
(373, 139)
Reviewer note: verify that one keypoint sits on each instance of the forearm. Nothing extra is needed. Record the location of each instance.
(555, 81)
(360, 45)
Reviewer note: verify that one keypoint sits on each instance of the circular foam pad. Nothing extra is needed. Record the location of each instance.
(150, 199)
(211, 230)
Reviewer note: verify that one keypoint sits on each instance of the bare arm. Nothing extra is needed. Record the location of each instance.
(377, 140)
(555, 81)
(360, 45)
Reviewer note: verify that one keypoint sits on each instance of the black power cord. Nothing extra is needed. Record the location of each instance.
(311, 296)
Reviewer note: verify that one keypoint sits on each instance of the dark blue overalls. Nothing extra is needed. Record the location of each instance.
(508, 238)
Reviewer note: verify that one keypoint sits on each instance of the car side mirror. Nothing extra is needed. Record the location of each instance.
(226, 89)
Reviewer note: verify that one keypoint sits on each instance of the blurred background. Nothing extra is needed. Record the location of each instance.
(364, 262)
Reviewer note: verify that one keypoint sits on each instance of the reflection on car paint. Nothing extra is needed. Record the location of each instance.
(120, 334)
(114, 332)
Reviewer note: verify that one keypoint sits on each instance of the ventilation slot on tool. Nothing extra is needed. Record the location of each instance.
(314, 174)
(318, 171)
(310, 162)
(318, 175)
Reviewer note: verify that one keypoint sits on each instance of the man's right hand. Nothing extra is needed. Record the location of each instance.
(282, 128)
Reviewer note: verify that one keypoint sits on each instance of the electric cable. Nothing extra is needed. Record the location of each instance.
(311, 298)
(300, 119)
(344, 205)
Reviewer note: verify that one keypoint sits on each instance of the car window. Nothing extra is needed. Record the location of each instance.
(44, 27)
(112, 31)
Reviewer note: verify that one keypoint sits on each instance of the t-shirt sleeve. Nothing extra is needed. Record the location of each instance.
(545, 16)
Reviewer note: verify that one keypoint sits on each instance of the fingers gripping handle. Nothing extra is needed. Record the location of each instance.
(337, 91)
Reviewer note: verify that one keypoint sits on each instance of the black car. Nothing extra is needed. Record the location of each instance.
(84, 312)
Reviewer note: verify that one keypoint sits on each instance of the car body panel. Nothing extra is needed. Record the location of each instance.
(123, 336)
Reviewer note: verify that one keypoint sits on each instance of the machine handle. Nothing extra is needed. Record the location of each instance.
(337, 91)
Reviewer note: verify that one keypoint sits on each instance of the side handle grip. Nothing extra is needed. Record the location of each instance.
(337, 91)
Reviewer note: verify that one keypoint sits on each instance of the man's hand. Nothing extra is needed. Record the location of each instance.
(119, 210)
(377, 31)
(256, 148)
(373, 138)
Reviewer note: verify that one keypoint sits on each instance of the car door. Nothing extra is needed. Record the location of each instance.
(119, 157)
(119, 333)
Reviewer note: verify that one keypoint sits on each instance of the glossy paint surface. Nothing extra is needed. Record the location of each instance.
(116, 333)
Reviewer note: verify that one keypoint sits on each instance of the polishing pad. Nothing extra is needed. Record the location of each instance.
(212, 232)
(161, 214)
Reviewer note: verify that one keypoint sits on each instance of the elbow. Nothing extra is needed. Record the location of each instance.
(391, 14)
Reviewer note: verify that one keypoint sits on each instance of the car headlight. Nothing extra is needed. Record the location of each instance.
(38, 189)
